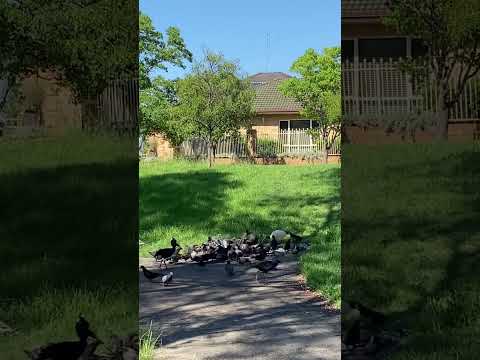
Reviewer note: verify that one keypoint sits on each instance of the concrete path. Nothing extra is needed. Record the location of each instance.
(204, 315)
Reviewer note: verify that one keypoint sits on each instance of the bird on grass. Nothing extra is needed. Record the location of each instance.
(150, 275)
(229, 269)
(69, 350)
(266, 266)
(295, 238)
(164, 254)
(279, 235)
(166, 279)
(82, 328)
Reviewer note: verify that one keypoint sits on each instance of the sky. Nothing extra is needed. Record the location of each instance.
(238, 29)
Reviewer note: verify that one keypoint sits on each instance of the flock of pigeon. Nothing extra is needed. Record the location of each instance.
(85, 347)
(248, 249)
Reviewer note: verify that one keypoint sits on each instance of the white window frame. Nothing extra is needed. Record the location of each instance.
(289, 145)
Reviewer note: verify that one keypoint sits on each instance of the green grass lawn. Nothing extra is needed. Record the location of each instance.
(411, 242)
(69, 242)
(188, 201)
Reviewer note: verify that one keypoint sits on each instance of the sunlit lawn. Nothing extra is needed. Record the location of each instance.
(188, 201)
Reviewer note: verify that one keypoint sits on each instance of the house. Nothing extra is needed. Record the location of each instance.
(277, 119)
(48, 108)
(372, 84)
(275, 111)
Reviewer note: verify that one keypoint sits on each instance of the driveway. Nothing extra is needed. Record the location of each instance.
(205, 315)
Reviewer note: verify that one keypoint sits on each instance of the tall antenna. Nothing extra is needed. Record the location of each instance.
(267, 50)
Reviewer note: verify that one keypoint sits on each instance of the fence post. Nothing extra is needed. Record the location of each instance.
(251, 143)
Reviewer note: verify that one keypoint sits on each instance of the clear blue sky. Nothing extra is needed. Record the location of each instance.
(238, 29)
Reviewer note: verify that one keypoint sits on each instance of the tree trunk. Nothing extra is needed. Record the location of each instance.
(442, 114)
(211, 154)
(325, 155)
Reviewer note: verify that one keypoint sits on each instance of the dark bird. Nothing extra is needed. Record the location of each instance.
(69, 350)
(261, 255)
(150, 275)
(201, 262)
(273, 243)
(287, 244)
(166, 279)
(295, 238)
(375, 316)
(164, 254)
(243, 260)
(82, 327)
(266, 266)
(229, 269)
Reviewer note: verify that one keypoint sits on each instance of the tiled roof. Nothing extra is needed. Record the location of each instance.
(269, 99)
(364, 8)
(268, 76)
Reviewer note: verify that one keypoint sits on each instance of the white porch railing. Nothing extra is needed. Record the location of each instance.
(380, 87)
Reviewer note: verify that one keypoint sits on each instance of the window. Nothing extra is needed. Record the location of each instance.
(299, 124)
(283, 124)
(348, 50)
(315, 124)
(382, 48)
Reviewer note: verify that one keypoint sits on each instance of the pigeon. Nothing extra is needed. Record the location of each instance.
(166, 279)
(229, 269)
(150, 275)
(268, 265)
(279, 235)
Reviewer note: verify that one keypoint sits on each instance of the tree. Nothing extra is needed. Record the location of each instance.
(156, 52)
(158, 95)
(78, 44)
(214, 101)
(157, 109)
(318, 90)
(450, 31)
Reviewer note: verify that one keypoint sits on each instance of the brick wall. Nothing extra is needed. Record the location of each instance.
(161, 147)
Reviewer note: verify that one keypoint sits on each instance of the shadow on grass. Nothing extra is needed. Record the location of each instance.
(72, 226)
(411, 244)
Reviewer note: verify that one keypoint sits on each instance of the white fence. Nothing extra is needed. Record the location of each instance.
(116, 108)
(292, 142)
(380, 87)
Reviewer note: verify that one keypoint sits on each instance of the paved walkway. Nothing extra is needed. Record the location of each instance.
(204, 315)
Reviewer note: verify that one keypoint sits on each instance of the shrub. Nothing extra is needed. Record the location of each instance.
(266, 148)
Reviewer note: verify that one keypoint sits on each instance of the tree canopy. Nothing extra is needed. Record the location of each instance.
(82, 44)
(157, 94)
(450, 31)
(317, 88)
(214, 100)
(156, 51)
